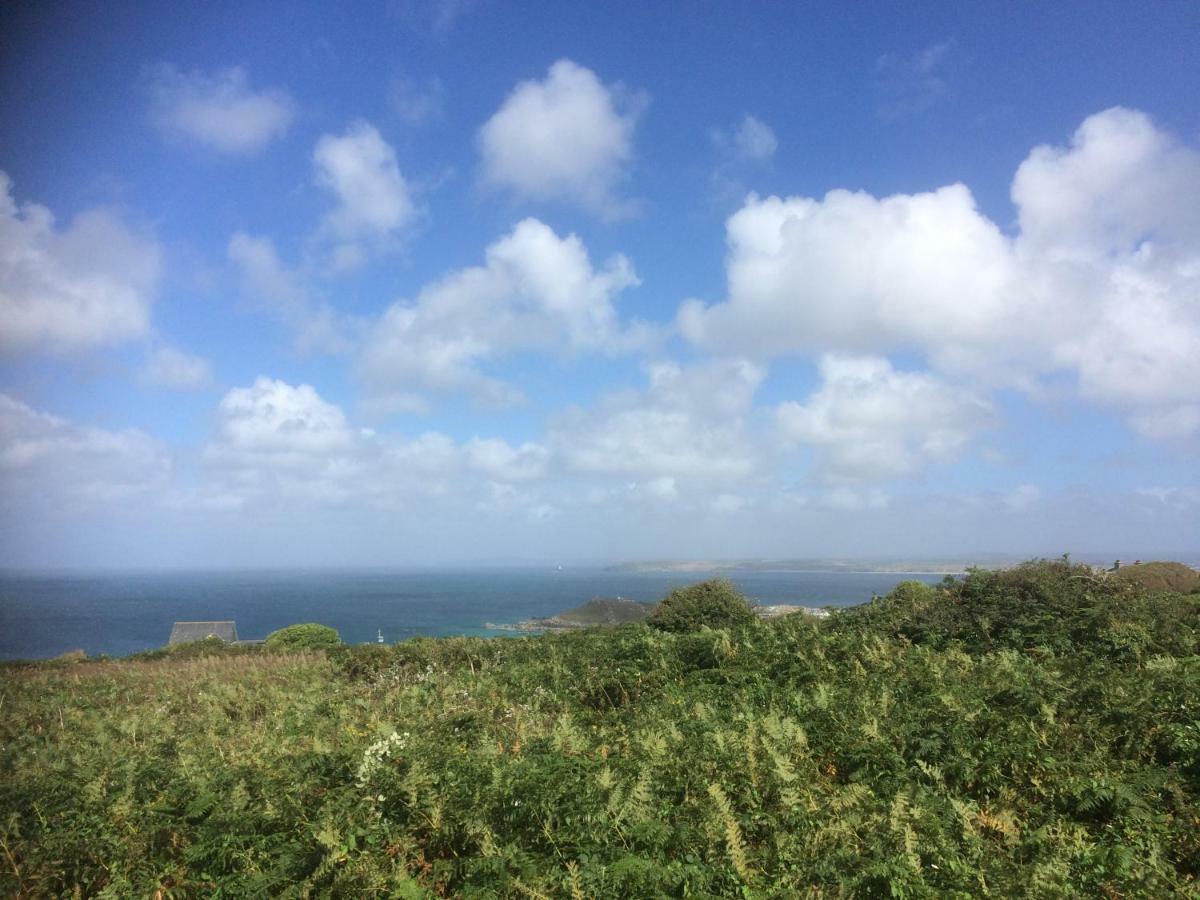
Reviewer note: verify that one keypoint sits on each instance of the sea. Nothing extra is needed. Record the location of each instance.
(43, 615)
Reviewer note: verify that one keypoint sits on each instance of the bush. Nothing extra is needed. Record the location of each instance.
(309, 636)
(715, 603)
(362, 661)
(1161, 576)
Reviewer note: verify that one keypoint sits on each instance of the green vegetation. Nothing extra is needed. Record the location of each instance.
(715, 603)
(309, 636)
(1161, 576)
(1031, 732)
(605, 611)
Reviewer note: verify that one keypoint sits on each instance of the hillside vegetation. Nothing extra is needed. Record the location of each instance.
(1161, 576)
(1030, 732)
(605, 611)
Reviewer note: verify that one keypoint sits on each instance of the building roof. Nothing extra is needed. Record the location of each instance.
(183, 632)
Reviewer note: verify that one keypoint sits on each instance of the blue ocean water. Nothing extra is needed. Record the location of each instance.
(119, 613)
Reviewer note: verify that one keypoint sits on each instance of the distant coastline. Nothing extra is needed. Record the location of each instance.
(784, 566)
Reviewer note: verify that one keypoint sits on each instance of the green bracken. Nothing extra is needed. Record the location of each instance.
(308, 636)
(1029, 732)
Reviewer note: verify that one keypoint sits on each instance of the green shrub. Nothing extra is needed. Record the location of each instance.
(361, 661)
(705, 649)
(209, 646)
(715, 603)
(309, 636)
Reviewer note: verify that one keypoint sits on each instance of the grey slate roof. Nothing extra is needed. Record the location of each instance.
(182, 632)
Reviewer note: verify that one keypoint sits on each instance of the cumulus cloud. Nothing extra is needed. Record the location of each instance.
(274, 441)
(55, 466)
(1099, 283)
(535, 291)
(1114, 190)
(689, 423)
(169, 367)
(219, 110)
(568, 137)
(857, 273)
(65, 289)
(374, 201)
(869, 422)
(273, 417)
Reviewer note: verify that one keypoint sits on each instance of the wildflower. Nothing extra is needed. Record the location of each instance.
(374, 756)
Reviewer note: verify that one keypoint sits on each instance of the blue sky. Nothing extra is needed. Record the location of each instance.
(427, 282)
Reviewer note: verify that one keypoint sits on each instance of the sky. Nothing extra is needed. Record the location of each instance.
(409, 283)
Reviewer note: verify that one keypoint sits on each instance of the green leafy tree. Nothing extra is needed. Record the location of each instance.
(715, 603)
(309, 636)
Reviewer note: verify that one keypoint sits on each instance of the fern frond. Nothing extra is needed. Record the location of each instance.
(734, 842)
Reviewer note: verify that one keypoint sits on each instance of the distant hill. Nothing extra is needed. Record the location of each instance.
(1161, 576)
(926, 566)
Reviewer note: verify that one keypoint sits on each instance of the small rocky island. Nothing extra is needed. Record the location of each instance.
(611, 611)
(599, 611)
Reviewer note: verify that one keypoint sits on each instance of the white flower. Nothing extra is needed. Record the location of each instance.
(374, 755)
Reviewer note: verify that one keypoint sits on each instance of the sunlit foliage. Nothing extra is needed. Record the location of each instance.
(1033, 732)
(309, 636)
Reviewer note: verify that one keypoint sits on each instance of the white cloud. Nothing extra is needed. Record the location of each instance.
(868, 421)
(169, 367)
(1100, 282)
(220, 110)
(275, 442)
(688, 423)
(498, 459)
(53, 465)
(857, 273)
(536, 291)
(374, 202)
(1114, 189)
(275, 418)
(568, 137)
(753, 141)
(65, 289)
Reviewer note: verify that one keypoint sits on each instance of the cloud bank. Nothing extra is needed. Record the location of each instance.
(1099, 283)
